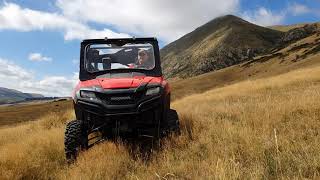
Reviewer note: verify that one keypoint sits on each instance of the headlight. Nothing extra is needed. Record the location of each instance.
(153, 91)
(88, 95)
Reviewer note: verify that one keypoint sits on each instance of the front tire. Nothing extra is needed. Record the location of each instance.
(172, 123)
(75, 139)
(173, 119)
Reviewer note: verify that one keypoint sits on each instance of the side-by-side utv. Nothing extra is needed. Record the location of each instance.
(121, 93)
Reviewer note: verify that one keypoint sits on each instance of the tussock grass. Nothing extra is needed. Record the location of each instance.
(34, 150)
(260, 129)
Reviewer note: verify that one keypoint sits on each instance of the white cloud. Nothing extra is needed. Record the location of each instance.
(10, 71)
(15, 77)
(264, 17)
(85, 32)
(298, 9)
(38, 57)
(13, 17)
(165, 19)
(52, 85)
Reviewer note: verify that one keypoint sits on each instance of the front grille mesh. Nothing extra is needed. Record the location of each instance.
(121, 99)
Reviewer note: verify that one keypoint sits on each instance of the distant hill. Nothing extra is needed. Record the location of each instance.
(11, 95)
(286, 28)
(223, 42)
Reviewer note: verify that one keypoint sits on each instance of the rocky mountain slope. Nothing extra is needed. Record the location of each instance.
(223, 42)
(295, 54)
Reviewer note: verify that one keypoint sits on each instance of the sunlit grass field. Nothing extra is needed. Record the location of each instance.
(266, 128)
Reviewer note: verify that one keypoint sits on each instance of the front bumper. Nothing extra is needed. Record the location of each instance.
(98, 108)
(141, 118)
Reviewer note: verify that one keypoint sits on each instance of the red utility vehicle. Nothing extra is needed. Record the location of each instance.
(121, 93)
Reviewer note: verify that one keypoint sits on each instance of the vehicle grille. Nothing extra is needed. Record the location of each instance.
(120, 100)
(121, 96)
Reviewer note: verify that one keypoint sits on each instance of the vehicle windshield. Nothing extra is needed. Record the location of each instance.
(101, 57)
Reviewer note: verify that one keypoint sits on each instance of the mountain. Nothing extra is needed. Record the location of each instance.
(34, 95)
(299, 49)
(223, 42)
(11, 95)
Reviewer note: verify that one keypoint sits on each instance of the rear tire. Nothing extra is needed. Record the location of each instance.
(75, 139)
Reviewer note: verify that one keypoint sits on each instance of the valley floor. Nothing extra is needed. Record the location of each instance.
(266, 128)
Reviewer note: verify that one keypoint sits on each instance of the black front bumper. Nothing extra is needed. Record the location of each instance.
(122, 110)
(139, 118)
(98, 108)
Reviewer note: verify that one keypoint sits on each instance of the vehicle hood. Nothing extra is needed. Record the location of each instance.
(120, 83)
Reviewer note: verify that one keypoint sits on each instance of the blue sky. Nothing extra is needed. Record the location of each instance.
(39, 48)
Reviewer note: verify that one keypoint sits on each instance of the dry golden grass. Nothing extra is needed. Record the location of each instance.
(259, 129)
(34, 150)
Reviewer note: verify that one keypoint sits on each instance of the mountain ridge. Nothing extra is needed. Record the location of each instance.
(223, 42)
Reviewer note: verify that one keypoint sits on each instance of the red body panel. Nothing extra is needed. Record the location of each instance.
(120, 83)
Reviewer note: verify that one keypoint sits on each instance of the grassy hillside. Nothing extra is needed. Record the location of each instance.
(285, 28)
(228, 41)
(264, 128)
